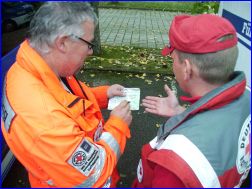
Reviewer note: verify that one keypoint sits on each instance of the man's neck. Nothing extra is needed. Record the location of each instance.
(200, 88)
(50, 60)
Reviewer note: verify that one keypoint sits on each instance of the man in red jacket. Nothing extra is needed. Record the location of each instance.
(207, 144)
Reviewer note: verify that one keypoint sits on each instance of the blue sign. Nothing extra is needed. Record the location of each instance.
(241, 25)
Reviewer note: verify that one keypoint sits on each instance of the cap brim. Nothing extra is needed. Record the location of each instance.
(167, 50)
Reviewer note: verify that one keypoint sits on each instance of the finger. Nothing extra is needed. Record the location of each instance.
(151, 110)
(121, 105)
(151, 102)
(150, 106)
(122, 108)
(128, 107)
(124, 104)
(154, 98)
(129, 113)
(130, 116)
(118, 93)
(167, 90)
(120, 87)
(125, 109)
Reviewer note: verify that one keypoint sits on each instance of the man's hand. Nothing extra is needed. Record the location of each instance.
(123, 111)
(115, 90)
(163, 106)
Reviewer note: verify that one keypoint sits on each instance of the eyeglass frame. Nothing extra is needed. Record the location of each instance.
(90, 45)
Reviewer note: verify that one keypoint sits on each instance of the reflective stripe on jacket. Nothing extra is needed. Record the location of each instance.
(208, 145)
(51, 131)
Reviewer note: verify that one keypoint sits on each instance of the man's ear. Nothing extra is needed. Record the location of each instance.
(61, 43)
(188, 71)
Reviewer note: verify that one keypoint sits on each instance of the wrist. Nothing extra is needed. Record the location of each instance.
(179, 109)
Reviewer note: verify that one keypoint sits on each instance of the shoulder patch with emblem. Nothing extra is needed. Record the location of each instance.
(85, 157)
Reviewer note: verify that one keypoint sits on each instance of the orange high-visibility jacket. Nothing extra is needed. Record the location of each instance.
(59, 136)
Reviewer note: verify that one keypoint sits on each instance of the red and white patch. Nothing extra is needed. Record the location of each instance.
(85, 157)
(140, 171)
(79, 158)
(244, 152)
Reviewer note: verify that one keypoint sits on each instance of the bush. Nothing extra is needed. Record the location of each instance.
(205, 7)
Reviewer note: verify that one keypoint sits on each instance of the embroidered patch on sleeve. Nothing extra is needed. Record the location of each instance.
(84, 158)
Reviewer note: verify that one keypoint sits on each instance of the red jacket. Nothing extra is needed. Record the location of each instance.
(208, 145)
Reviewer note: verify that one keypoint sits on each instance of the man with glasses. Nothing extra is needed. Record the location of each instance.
(51, 121)
(90, 45)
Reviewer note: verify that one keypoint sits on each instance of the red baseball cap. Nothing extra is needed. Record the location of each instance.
(200, 34)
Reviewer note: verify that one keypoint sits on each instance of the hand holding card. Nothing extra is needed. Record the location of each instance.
(132, 95)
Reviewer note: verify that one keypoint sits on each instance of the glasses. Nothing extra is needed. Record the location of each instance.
(90, 45)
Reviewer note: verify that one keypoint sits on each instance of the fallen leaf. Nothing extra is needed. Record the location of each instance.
(149, 82)
(117, 62)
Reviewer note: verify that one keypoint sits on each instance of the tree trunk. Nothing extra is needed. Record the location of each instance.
(97, 39)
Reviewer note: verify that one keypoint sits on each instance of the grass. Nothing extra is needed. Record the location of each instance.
(134, 59)
(164, 6)
(130, 59)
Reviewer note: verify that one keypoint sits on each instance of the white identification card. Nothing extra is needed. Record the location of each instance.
(132, 95)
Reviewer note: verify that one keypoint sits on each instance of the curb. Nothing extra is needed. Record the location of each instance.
(153, 9)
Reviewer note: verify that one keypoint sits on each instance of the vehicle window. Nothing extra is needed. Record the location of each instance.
(12, 4)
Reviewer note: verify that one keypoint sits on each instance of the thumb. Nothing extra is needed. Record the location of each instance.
(120, 91)
(167, 90)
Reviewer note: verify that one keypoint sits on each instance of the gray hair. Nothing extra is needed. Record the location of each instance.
(54, 19)
(216, 67)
